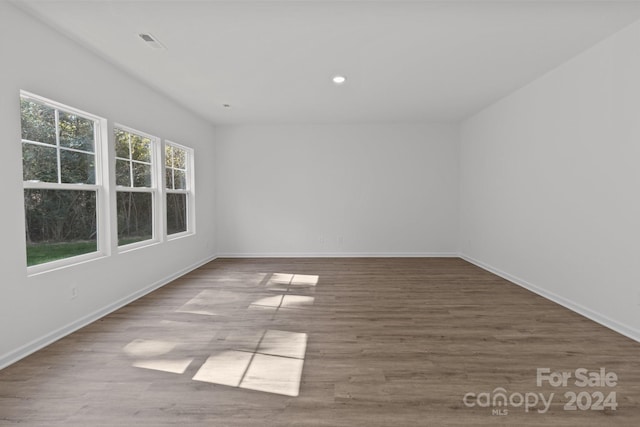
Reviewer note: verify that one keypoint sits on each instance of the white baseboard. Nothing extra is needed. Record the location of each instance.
(39, 343)
(605, 321)
(339, 255)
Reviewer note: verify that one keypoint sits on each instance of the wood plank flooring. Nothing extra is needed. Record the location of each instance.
(381, 342)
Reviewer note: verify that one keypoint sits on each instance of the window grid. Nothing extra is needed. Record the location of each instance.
(179, 221)
(58, 146)
(133, 188)
(87, 171)
(58, 156)
(173, 169)
(131, 160)
(41, 256)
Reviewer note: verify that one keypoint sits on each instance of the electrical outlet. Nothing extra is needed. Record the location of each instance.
(74, 292)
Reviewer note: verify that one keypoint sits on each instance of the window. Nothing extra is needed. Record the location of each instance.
(63, 195)
(179, 189)
(136, 188)
(69, 211)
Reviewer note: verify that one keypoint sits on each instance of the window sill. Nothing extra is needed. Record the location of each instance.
(49, 267)
(181, 235)
(137, 245)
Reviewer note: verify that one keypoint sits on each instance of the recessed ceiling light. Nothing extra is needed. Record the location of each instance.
(339, 79)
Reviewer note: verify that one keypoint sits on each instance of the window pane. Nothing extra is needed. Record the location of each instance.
(168, 153)
(59, 224)
(123, 174)
(38, 122)
(169, 177)
(39, 163)
(179, 158)
(75, 131)
(141, 175)
(140, 148)
(180, 181)
(122, 143)
(77, 168)
(176, 213)
(135, 217)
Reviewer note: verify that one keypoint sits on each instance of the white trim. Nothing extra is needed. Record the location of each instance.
(35, 345)
(132, 130)
(157, 172)
(103, 173)
(100, 187)
(39, 343)
(38, 185)
(59, 264)
(58, 105)
(189, 191)
(122, 249)
(179, 235)
(338, 255)
(159, 215)
(62, 147)
(123, 189)
(621, 328)
(56, 115)
(175, 144)
(40, 144)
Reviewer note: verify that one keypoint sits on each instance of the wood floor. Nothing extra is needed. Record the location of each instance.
(326, 342)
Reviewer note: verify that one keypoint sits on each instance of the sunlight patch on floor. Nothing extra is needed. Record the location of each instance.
(275, 367)
(149, 348)
(175, 366)
(274, 374)
(296, 301)
(283, 343)
(226, 368)
(269, 360)
(286, 282)
(210, 303)
(269, 301)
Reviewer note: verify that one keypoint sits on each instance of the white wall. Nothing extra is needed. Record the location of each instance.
(34, 310)
(547, 182)
(550, 184)
(336, 190)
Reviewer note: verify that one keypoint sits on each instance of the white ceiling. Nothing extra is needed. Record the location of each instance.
(406, 61)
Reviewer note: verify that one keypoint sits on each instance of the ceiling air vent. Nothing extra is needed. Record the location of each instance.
(151, 41)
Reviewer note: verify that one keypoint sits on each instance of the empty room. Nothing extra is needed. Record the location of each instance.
(320, 213)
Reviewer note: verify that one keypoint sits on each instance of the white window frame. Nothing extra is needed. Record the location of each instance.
(101, 187)
(189, 191)
(157, 183)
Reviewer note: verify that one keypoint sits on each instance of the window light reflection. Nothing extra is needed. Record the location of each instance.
(175, 366)
(275, 367)
(287, 282)
(211, 303)
(269, 361)
(148, 348)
